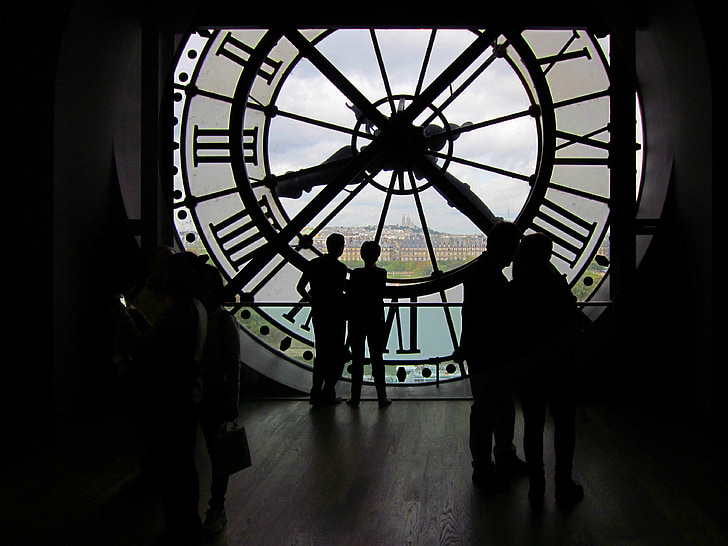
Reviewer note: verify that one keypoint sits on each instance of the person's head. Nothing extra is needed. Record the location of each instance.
(335, 244)
(214, 283)
(534, 253)
(184, 275)
(156, 266)
(370, 251)
(502, 242)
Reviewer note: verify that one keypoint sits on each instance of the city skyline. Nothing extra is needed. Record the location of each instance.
(406, 242)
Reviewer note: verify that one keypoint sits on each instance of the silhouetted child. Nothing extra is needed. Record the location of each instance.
(548, 321)
(366, 323)
(326, 276)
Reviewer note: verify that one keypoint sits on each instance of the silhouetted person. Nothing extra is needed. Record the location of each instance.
(148, 298)
(221, 360)
(365, 291)
(487, 347)
(326, 277)
(165, 362)
(548, 320)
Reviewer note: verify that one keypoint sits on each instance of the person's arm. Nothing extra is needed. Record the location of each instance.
(232, 357)
(173, 329)
(302, 285)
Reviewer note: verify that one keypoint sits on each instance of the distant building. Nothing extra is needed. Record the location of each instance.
(406, 243)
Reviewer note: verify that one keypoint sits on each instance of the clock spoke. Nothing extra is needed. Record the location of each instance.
(474, 126)
(423, 222)
(385, 206)
(382, 69)
(426, 61)
(483, 167)
(443, 81)
(276, 112)
(464, 86)
(328, 70)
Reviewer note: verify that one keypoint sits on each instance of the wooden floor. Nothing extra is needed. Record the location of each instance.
(393, 476)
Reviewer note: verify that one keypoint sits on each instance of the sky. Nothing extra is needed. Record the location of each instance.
(498, 91)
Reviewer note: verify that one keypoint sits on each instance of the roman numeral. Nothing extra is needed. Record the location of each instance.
(582, 98)
(290, 316)
(210, 145)
(563, 55)
(239, 53)
(394, 319)
(213, 145)
(587, 161)
(569, 232)
(238, 234)
(250, 145)
(587, 139)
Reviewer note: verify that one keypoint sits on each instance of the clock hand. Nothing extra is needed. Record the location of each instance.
(292, 184)
(436, 136)
(279, 241)
(457, 193)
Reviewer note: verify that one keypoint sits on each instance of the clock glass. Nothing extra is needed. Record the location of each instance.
(420, 139)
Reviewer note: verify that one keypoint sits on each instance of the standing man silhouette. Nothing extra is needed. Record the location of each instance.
(322, 284)
(486, 346)
(366, 322)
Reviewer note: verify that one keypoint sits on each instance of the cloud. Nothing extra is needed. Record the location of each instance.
(509, 145)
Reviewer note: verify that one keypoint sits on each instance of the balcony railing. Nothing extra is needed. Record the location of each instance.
(422, 339)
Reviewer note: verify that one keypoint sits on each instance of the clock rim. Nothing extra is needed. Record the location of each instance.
(443, 281)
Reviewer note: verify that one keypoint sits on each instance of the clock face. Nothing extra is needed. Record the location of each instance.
(418, 139)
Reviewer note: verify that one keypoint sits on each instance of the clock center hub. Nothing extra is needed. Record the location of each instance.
(406, 144)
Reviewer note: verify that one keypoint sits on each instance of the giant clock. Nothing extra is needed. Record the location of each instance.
(283, 136)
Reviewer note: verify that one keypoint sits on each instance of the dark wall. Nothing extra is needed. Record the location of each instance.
(72, 251)
(665, 355)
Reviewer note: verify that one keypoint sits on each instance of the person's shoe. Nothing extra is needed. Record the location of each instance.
(325, 402)
(568, 493)
(353, 403)
(384, 402)
(511, 466)
(215, 520)
(488, 480)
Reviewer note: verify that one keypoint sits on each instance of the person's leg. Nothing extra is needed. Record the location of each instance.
(482, 425)
(179, 480)
(318, 376)
(356, 343)
(322, 360)
(216, 518)
(333, 357)
(563, 411)
(534, 417)
(375, 339)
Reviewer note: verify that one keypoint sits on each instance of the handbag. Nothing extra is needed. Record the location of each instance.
(232, 451)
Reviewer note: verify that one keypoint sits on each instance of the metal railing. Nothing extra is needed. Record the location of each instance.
(422, 338)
